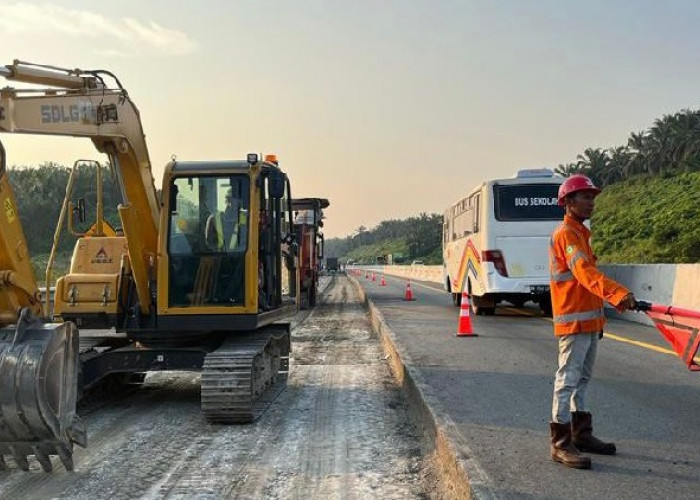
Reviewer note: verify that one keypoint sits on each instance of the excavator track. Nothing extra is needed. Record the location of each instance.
(245, 374)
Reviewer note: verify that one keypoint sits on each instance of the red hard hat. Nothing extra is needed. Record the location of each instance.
(577, 182)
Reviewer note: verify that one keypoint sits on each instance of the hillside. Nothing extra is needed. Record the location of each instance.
(649, 220)
(414, 238)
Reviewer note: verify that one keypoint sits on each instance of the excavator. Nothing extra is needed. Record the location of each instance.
(200, 278)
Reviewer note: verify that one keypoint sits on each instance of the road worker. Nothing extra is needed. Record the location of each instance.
(225, 230)
(578, 290)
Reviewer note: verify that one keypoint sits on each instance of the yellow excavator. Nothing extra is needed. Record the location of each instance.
(201, 278)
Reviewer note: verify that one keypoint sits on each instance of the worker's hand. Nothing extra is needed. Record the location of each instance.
(628, 303)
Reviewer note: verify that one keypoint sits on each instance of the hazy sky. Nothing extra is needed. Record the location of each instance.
(388, 108)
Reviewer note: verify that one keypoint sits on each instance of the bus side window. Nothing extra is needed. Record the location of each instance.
(476, 199)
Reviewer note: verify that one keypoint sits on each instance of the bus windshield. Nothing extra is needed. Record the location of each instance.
(526, 202)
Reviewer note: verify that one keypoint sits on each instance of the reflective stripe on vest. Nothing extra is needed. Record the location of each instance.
(578, 316)
(220, 233)
(574, 258)
(565, 276)
(557, 276)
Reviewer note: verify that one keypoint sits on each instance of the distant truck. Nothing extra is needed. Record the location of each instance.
(308, 221)
(332, 264)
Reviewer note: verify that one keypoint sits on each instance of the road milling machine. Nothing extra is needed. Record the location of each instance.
(308, 221)
(202, 277)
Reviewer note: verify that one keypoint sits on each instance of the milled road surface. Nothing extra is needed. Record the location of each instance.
(496, 391)
(340, 430)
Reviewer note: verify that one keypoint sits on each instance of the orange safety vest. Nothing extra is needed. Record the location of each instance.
(221, 234)
(578, 288)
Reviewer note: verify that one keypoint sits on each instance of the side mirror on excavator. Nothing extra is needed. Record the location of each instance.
(172, 199)
(80, 210)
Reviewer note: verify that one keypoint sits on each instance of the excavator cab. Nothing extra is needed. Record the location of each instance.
(228, 257)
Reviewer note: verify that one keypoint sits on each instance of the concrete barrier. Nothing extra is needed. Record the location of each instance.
(669, 284)
(420, 273)
(674, 284)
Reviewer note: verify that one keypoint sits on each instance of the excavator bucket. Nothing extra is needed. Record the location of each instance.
(680, 328)
(38, 392)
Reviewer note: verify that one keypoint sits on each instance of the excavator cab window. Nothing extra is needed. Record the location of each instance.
(207, 240)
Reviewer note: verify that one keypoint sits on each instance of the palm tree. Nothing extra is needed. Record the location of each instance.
(359, 232)
(594, 162)
(568, 169)
(618, 159)
(636, 145)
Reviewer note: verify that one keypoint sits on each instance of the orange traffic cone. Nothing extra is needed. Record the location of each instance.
(409, 292)
(382, 282)
(464, 329)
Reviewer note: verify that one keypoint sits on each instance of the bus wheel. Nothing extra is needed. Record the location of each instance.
(484, 311)
(456, 299)
(517, 302)
(546, 306)
(483, 305)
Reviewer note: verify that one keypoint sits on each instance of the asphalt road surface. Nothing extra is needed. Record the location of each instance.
(497, 389)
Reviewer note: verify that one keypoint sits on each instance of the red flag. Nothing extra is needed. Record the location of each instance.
(680, 328)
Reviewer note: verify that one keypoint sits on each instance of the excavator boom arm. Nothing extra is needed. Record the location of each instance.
(16, 273)
(80, 105)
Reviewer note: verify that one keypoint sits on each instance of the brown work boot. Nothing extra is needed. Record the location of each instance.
(583, 438)
(563, 451)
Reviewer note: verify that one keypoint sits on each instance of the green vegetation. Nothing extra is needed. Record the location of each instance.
(405, 240)
(670, 146)
(649, 220)
(648, 212)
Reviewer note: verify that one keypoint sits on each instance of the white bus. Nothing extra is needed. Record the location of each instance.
(495, 241)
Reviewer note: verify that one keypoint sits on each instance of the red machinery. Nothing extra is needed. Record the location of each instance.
(680, 328)
(308, 221)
